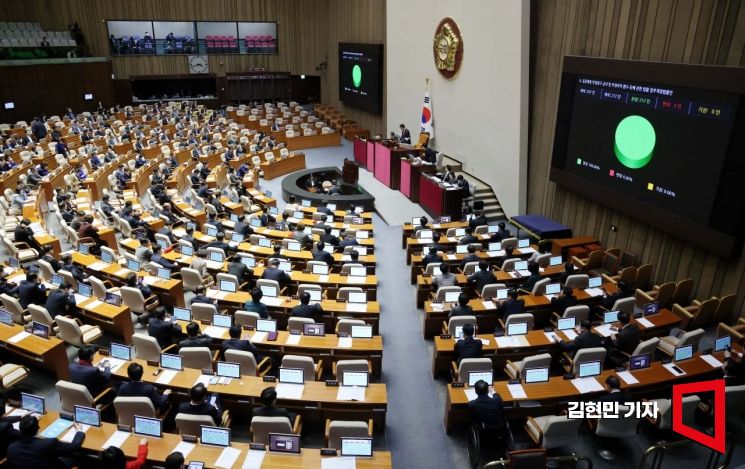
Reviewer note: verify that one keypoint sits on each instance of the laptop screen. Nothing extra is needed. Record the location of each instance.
(187, 250)
(87, 416)
(32, 403)
(357, 297)
(236, 238)
(291, 375)
(83, 249)
(217, 436)
(305, 203)
(492, 229)
(357, 447)
(461, 249)
(522, 265)
(272, 210)
(362, 234)
(164, 273)
(553, 288)
(6, 317)
(357, 271)
(554, 260)
(610, 316)
(683, 353)
(523, 243)
(113, 299)
(425, 234)
(265, 243)
(354, 378)
(269, 291)
(227, 285)
(588, 369)
(721, 343)
(216, 256)
(233, 217)
(222, 320)
(416, 221)
(320, 269)
(122, 352)
(133, 265)
(517, 328)
(329, 248)
(255, 222)
(85, 289)
(460, 232)
(249, 262)
(171, 362)
(266, 325)
(285, 266)
(446, 219)
(639, 362)
(39, 330)
(361, 250)
(651, 308)
(212, 231)
(502, 293)
(293, 246)
(595, 282)
(362, 332)
(56, 280)
(566, 323)
(536, 375)
(229, 369)
(476, 376)
(315, 295)
(284, 443)
(107, 257)
(314, 329)
(146, 426)
(451, 296)
(182, 314)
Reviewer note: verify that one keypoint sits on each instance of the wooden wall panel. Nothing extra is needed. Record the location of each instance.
(308, 34)
(684, 31)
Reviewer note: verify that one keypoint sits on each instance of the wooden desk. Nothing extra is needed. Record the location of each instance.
(559, 389)
(47, 353)
(318, 401)
(116, 320)
(410, 177)
(407, 230)
(360, 151)
(310, 141)
(438, 201)
(561, 246)
(535, 342)
(388, 164)
(160, 448)
(283, 166)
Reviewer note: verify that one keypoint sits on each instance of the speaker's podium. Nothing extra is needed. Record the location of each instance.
(439, 200)
(350, 173)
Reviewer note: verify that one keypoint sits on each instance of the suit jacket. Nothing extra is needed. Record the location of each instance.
(460, 311)
(477, 221)
(272, 412)
(239, 344)
(59, 302)
(42, 452)
(323, 256)
(198, 341)
(163, 331)
(52, 261)
(31, 292)
(482, 278)
(561, 303)
(468, 239)
(278, 275)
(406, 136)
(77, 274)
(530, 282)
(23, 234)
(140, 389)
(242, 228)
(221, 245)
(158, 259)
(510, 306)
(584, 340)
(628, 338)
(468, 348)
(256, 307)
(90, 376)
(330, 239)
(431, 258)
(204, 408)
(306, 311)
(488, 411)
(469, 258)
(8, 434)
(240, 270)
(619, 397)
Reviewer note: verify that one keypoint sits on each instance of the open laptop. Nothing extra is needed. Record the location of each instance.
(249, 262)
(32, 403)
(589, 369)
(182, 314)
(120, 351)
(610, 317)
(476, 376)
(146, 426)
(320, 269)
(87, 416)
(186, 250)
(133, 265)
(554, 260)
(683, 353)
(216, 436)
(266, 325)
(222, 320)
(228, 369)
(291, 375)
(228, 286)
(517, 328)
(535, 375)
(85, 290)
(171, 362)
(164, 274)
(566, 323)
(595, 282)
(355, 378)
(216, 256)
(57, 280)
(553, 288)
(357, 447)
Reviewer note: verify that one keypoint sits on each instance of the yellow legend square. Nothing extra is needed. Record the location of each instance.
(650, 186)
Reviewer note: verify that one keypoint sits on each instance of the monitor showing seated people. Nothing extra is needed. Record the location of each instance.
(588, 369)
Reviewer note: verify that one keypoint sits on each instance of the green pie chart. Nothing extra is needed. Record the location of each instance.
(357, 76)
(634, 142)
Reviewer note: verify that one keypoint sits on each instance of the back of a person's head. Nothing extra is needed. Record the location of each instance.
(512, 294)
(481, 387)
(256, 294)
(305, 298)
(192, 329)
(585, 325)
(220, 236)
(471, 249)
(533, 267)
(327, 229)
(483, 265)
(444, 268)
(113, 458)
(568, 291)
(622, 286)
(174, 461)
(235, 331)
(28, 426)
(197, 392)
(613, 382)
(468, 330)
(463, 299)
(86, 352)
(134, 371)
(268, 396)
(623, 317)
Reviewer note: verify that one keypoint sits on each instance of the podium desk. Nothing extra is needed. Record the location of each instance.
(370, 163)
(360, 151)
(410, 177)
(438, 201)
(387, 164)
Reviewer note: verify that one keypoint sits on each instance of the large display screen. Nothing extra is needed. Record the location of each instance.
(360, 76)
(654, 140)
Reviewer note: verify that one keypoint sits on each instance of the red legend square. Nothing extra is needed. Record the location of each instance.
(612, 173)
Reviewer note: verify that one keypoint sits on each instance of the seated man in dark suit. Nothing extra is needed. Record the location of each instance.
(268, 400)
(8, 434)
(585, 339)
(194, 338)
(462, 308)
(46, 255)
(470, 257)
(479, 219)
(136, 388)
(622, 291)
(199, 405)
(239, 269)
(305, 309)
(165, 332)
(614, 391)
(511, 305)
(320, 255)
(328, 237)
(201, 297)
(487, 412)
(95, 378)
(432, 256)
(468, 346)
(561, 303)
(255, 305)
(272, 272)
(60, 301)
(535, 276)
(242, 227)
(236, 343)
(23, 233)
(624, 340)
(502, 233)
(77, 272)
(220, 243)
(468, 238)
(48, 453)
(31, 291)
(157, 257)
(482, 277)
(324, 208)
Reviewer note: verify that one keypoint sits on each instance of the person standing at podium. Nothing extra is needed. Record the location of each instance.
(405, 136)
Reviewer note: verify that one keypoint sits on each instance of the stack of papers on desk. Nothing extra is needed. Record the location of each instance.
(552, 336)
(214, 265)
(527, 250)
(204, 379)
(150, 280)
(289, 391)
(116, 439)
(644, 322)
(184, 448)
(570, 334)
(122, 272)
(344, 342)
(114, 363)
(18, 337)
(228, 457)
(496, 253)
(524, 273)
(512, 341)
(344, 462)
(488, 304)
(353, 279)
(471, 393)
(356, 307)
(100, 265)
(166, 376)
(594, 291)
(712, 361)
(254, 459)
(323, 278)
(271, 301)
(94, 304)
(293, 339)
(215, 331)
(351, 393)
(79, 299)
(604, 330)
(217, 294)
(585, 385)
(517, 391)
(627, 377)
(259, 336)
